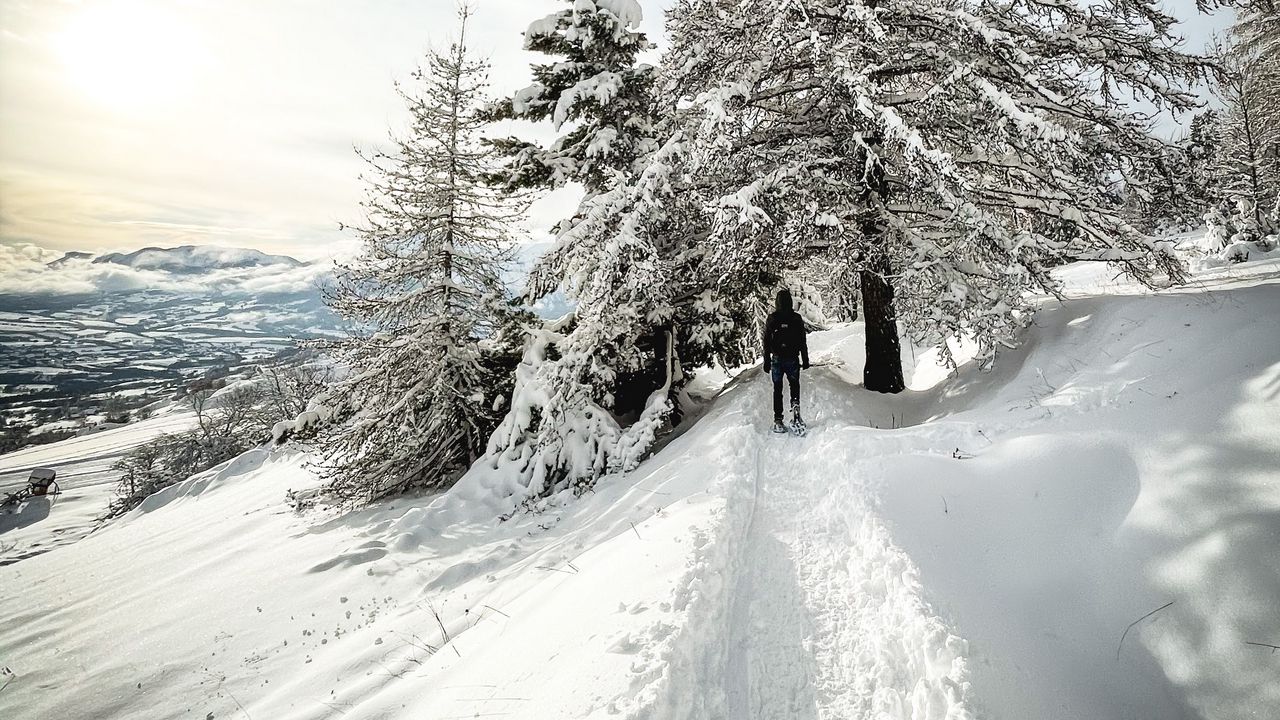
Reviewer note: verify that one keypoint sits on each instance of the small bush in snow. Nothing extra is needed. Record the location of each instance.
(166, 461)
(287, 391)
(227, 424)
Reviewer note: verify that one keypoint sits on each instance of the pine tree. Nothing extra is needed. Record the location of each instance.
(1184, 181)
(1257, 30)
(426, 364)
(952, 152)
(594, 391)
(1203, 149)
(1249, 87)
(563, 431)
(595, 87)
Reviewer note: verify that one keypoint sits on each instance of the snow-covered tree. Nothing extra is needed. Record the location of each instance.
(598, 94)
(595, 389)
(1257, 29)
(951, 152)
(564, 429)
(426, 379)
(1249, 87)
(1203, 150)
(595, 90)
(1184, 182)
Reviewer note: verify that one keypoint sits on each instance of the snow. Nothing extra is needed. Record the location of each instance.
(973, 548)
(42, 370)
(602, 87)
(628, 12)
(83, 466)
(54, 427)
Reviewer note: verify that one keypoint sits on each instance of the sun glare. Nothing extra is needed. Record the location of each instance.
(127, 54)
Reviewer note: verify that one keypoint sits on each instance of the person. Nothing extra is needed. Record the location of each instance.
(786, 353)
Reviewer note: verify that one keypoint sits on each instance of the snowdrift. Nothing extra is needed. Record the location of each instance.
(975, 548)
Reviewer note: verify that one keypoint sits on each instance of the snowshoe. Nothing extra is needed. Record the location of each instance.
(778, 427)
(798, 425)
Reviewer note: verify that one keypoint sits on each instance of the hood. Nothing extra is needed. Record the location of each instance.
(783, 303)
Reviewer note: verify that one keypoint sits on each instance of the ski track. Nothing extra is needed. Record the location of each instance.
(798, 605)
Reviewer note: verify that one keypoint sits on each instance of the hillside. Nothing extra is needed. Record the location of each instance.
(84, 471)
(975, 548)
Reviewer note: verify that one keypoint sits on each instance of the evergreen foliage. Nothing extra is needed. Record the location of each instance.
(952, 152)
(1249, 163)
(595, 88)
(928, 161)
(431, 353)
(595, 390)
(1185, 180)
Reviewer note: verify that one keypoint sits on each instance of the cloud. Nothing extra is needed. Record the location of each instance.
(26, 254)
(25, 270)
(260, 153)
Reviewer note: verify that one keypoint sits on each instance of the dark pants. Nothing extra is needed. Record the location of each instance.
(790, 368)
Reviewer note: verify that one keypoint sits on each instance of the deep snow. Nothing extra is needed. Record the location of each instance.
(974, 548)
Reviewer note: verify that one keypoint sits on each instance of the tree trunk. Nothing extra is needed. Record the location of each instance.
(883, 369)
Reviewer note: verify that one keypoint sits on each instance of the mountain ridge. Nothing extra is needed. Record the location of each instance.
(188, 258)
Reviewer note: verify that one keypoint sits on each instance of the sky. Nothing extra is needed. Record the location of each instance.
(132, 123)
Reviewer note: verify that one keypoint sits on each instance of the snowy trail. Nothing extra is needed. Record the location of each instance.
(982, 556)
(770, 671)
(815, 613)
(828, 618)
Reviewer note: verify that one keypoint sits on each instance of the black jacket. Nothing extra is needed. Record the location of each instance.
(784, 333)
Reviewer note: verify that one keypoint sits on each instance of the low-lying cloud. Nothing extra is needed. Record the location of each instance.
(25, 270)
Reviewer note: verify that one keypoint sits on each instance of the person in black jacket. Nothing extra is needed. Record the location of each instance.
(786, 352)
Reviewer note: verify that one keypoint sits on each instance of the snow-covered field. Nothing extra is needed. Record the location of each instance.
(975, 548)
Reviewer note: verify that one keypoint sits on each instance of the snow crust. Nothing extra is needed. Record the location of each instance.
(973, 548)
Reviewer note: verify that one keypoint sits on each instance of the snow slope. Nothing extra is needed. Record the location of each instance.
(975, 548)
(83, 466)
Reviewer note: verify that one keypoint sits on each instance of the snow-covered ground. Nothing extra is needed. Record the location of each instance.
(84, 472)
(975, 548)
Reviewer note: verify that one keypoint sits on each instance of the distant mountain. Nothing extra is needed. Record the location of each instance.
(194, 258)
(69, 257)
